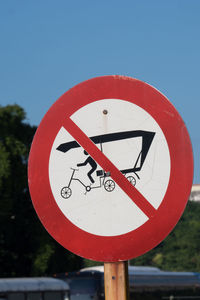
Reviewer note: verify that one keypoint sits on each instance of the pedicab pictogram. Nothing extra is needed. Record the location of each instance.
(105, 179)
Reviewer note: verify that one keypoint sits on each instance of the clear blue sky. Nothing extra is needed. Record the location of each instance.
(47, 46)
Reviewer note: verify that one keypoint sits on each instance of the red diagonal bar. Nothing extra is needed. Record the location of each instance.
(108, 166)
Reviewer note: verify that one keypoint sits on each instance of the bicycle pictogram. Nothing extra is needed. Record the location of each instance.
(108, 185)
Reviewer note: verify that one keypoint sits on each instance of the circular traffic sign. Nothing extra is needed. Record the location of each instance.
(110, 168)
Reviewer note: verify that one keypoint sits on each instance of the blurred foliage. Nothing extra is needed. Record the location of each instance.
(180, 251)
(26, 249)
(91, 263)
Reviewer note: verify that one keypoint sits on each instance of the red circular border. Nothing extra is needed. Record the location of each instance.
(144, 238)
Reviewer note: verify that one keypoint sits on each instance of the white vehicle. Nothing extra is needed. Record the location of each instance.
(41, 288)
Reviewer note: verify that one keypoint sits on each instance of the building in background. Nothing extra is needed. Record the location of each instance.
(195, 193)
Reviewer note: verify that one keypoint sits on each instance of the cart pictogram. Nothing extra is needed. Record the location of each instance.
(104, 177)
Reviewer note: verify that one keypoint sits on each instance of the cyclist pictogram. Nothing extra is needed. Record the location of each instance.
(92, 163)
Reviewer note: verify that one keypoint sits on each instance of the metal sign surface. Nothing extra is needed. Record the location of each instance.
(110, 168)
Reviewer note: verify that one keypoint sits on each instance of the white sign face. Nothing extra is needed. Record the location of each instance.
(134, 143)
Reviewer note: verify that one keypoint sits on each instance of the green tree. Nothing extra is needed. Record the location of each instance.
(15, 140)
(27, 249)
(180, 251)
(25, 246)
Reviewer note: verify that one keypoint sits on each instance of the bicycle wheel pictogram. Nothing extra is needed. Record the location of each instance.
(132, 180)
(66, 192)
(109, 185)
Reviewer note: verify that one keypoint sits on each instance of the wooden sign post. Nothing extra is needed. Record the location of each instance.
(116, 283)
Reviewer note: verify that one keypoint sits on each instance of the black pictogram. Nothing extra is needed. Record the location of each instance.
(92, 163)
(109, 184)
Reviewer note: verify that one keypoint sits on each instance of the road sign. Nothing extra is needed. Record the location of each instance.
(110, 168)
